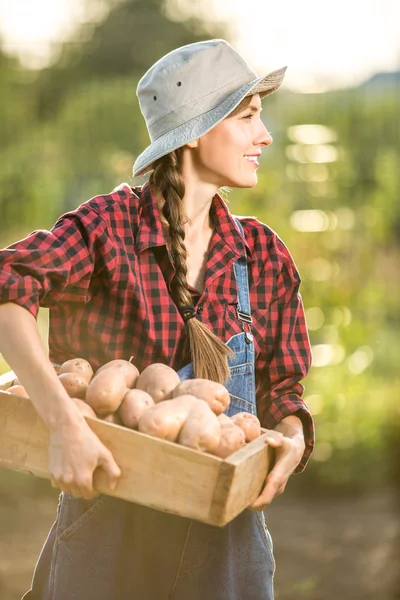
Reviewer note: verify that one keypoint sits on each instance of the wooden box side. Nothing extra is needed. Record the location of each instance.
(246, 471)
(156, 473)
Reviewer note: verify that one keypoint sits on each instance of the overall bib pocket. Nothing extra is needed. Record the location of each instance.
(75, 513)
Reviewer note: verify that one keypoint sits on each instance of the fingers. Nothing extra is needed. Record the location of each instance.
(111, 468)
(83, 484)
(62, 481)
(83, 487)
(277, 479)
(275, 439)
(275, 485)
(80, 486)
(74, 467)
(286, 460)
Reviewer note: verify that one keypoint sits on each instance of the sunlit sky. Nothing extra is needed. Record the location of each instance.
(325, 45)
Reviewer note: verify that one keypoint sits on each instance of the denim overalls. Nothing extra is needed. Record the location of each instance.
(109, 549)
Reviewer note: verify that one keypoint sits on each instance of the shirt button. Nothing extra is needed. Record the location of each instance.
(200, 309)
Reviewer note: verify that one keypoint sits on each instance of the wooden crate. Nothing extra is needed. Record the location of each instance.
(156, 473)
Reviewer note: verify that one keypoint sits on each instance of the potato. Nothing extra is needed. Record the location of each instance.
(125, 367)
(18, 390)
(75, 384)
(85, 409)
(79, 366)
(159, 381)
(201, 430)
(224, 420)
(249, 424)
(106, 391)
(133, 405)
(232, 439)
(166, 419)
(215, 394)
(113, 418)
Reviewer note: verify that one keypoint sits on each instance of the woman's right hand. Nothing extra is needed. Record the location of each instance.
(75, 452)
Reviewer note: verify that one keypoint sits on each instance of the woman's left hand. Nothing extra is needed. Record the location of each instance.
(288, 441)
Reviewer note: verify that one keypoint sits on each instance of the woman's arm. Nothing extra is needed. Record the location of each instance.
(74, 450)
(46, 268)
(285, 360)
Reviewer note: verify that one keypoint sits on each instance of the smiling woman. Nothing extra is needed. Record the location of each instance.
(230, 150)
(164, 271)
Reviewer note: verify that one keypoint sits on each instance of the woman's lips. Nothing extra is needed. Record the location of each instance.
(252, 159)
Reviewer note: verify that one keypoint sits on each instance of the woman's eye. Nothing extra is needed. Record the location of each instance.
(248, 117)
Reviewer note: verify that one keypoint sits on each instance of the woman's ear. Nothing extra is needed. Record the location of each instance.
(192, 144)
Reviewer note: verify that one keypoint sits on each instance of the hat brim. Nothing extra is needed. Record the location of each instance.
(201, 124)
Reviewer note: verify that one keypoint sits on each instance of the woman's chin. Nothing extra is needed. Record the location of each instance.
(244, 182)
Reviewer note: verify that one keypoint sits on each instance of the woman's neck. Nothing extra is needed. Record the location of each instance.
(197, 202)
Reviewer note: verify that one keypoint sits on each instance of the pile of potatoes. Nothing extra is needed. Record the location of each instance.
(157, 403)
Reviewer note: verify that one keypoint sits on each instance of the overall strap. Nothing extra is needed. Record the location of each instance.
(242, 280)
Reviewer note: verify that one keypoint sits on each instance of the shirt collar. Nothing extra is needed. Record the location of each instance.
(226, 227)
(150, 233)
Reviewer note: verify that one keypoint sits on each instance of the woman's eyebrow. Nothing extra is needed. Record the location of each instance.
(253, 109)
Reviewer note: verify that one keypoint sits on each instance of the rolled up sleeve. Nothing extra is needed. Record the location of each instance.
(285, 359)
(49, 266)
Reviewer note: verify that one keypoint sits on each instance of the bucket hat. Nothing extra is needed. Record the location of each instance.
(190, 90)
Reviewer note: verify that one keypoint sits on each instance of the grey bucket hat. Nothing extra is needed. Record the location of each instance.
(190, 90)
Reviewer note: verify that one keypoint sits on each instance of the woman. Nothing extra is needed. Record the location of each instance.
(165, 272)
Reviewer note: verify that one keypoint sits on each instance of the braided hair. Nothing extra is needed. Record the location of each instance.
(208, 353)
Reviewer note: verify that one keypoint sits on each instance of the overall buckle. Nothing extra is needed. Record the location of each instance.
(245, 318)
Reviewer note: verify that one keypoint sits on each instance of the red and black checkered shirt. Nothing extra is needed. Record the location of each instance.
(104, 271)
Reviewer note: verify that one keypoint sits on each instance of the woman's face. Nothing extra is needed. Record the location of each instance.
(227, 155)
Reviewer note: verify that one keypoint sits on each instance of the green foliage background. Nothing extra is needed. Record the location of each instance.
(74, 130)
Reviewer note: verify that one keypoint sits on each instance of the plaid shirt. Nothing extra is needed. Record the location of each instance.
(105, 273)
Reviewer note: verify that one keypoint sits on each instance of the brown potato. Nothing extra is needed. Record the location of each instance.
(201, 430)
(159, 381)
(18, 390)
(113, 418)
(75, 384)
(125, 367)
(106, 391)
(215, 394)
(249, 424)
(232, 439)
(134, 404)
(166, 419)
(224, 420)
(85, 409)
(79, 366)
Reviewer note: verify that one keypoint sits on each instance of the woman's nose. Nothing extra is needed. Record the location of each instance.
(264, 138)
